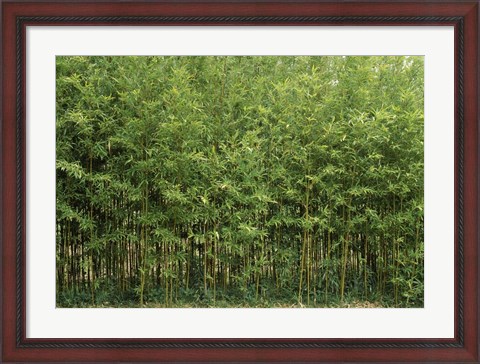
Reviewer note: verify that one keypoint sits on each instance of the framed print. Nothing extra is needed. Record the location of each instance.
(240, 181)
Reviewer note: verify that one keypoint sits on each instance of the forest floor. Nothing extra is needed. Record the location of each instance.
(223, 304)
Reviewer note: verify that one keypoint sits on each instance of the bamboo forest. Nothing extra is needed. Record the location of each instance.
(239, 181)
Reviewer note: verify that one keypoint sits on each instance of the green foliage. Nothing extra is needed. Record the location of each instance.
(239, 181)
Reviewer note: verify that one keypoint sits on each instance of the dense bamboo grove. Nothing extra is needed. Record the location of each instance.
(239, 181)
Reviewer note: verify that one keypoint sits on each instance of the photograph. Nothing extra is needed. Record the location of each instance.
(240, 181)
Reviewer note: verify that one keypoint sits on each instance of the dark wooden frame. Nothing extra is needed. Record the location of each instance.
(18, 14)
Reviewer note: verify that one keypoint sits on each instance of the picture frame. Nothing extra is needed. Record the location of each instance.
(18, 15)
